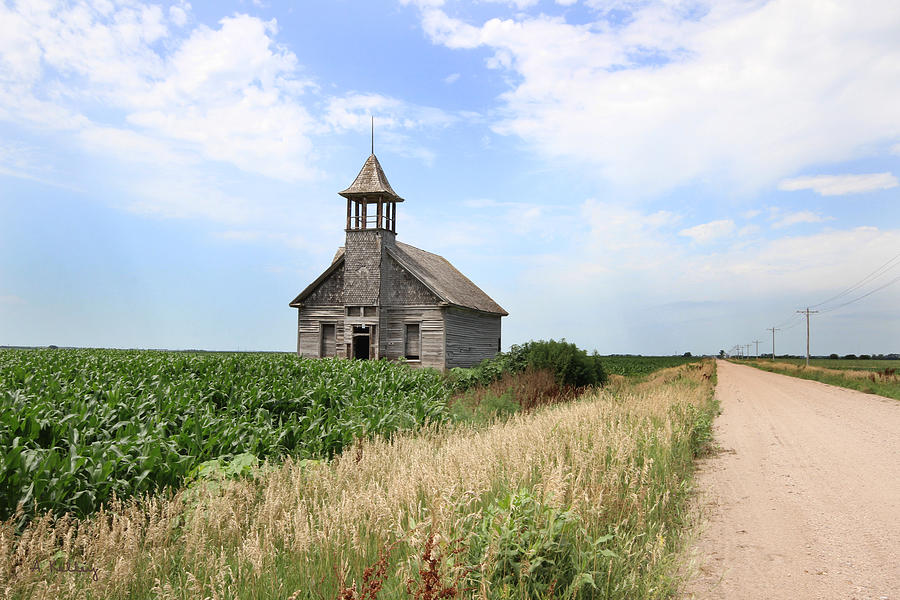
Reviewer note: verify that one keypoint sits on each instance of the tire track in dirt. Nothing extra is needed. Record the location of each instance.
(803, 500)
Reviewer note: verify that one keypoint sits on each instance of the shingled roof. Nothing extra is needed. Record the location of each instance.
(434, 271)
(371, 181)
(443, 279)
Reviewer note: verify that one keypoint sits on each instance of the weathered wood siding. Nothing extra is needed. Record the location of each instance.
(328, 293)
(471, 337)
(399, 286)
(393, 320)
(309, 331)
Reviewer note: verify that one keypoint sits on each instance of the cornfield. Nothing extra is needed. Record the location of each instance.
(629, 365)
(80, 426)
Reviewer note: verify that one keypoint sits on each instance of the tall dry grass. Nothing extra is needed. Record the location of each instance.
(619, 459)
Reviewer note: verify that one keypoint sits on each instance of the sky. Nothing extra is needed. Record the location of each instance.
(635, 176)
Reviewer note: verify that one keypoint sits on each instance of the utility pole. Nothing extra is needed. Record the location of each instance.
(748, 350)
(773, 330)
(807, 312)
(757, 347)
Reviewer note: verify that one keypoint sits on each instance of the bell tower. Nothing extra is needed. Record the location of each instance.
(371, 202)
(371, 229)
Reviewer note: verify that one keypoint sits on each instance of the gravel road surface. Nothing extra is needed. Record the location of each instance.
(803, 498)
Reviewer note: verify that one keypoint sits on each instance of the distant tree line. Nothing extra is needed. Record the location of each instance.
(832, 356)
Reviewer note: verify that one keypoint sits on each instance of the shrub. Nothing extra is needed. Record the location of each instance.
(571, 366)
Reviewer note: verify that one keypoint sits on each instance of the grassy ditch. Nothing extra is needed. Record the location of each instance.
(885, 382)
(577, 500)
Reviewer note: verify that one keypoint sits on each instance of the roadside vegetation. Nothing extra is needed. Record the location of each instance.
(849, 362)
(581, 499)
(537, 373)
(540, 373)
(881, 377)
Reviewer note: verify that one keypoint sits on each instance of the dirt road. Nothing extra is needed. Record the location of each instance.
(803, 501)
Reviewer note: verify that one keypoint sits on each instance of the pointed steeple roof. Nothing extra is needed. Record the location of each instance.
(371, 181)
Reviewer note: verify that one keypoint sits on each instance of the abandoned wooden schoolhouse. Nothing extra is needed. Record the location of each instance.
(381, 298)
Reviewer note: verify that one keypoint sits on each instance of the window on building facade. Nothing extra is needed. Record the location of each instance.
(328, 345)
(413, 341)
(361, 311)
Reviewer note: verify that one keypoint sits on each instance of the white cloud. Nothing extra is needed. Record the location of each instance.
(185, 195)
(630, 257)
(707, 232)
(803, 216)
(11, 299)
(179, 15)
(838, 185)
(451, 78)
(226, 94)
(745, 93)
(520, 4)
(813, 264)
(393, 118)
(353, 112)
(28, 162)
(152, 91)
(623, 237)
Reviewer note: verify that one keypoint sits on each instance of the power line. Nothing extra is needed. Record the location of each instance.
(891, 282)
(787, 324)
(873, 275)
(799, 322)
(786, 321)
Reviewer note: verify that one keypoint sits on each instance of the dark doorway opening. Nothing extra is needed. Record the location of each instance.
(361, 347)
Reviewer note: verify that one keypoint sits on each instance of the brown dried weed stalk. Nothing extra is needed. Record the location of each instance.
(431, 586)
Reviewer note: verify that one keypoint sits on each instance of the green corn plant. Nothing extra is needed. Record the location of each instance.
(79, 425)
